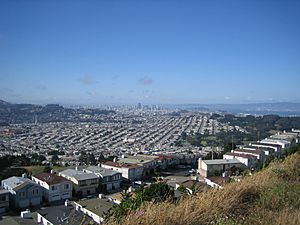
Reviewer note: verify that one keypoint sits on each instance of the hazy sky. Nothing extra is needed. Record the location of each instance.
(153, 51)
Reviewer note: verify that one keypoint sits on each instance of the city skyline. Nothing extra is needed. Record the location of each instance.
(158, 52)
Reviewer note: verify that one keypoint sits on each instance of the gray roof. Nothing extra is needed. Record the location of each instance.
(78, 175)
(221, 161)
(97, 205)
(3, 191)
(14, 182)
(103, 172)
(135, 159)
(61, 215)
(17, 220)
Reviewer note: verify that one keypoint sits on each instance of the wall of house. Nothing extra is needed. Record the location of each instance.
(87, 187)
(4, 202)
(55, 192)
(87, 212)
(42, 220)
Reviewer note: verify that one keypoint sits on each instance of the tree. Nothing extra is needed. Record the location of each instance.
(183, 135)
(183, 190)
(156, 192)
(101, 158)
(88, 158)
(54, 158)
(118, 212)
(91, 159)
(41, 158)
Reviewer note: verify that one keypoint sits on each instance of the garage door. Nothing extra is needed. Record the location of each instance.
(24, 203)
(35, 201)
(2, 210)
(66, 196)
(55, 198)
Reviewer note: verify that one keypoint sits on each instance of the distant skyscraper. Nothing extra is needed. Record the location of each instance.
(139, 105)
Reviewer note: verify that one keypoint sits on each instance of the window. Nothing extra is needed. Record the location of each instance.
(82, 183)
(94, 181)
(22, 193)
(67, 186)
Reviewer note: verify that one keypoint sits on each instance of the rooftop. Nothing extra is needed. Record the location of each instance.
(16, 220)
(266, 144)
(100, 170)
(78, 175)
(50, 178)
(120, 165)
(61, 215)
(17, 182)
(221, 161)
(240, 155)
(96, 205)
(3, 191)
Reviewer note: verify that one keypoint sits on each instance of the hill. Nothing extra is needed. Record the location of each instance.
(29, 113)
(271, 196)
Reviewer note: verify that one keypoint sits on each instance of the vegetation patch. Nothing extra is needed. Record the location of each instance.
(271, 196)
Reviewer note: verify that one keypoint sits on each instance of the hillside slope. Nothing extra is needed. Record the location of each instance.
(271, 196)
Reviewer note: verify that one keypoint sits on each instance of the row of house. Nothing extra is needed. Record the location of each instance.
(21, 192)
(249, 156)
(134, 167)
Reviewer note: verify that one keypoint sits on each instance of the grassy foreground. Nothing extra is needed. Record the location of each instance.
(271, 196)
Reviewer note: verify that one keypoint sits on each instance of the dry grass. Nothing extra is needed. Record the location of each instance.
(269, 197)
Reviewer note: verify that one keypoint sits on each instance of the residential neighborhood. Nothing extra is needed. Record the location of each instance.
(88, 192)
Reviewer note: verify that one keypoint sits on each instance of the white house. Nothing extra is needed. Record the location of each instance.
(129, 171)
(56, 188)
(283, 143)
(217, 167)
(248, 160)
(258, 153)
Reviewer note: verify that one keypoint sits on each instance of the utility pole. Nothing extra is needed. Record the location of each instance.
(231, 142)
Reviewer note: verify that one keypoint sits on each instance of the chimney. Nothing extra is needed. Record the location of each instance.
(101, 196)
(123, 156)
(76, 168)
(24, 175)
(115, 159)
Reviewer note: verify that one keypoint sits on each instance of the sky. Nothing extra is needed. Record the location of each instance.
(153, 52)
